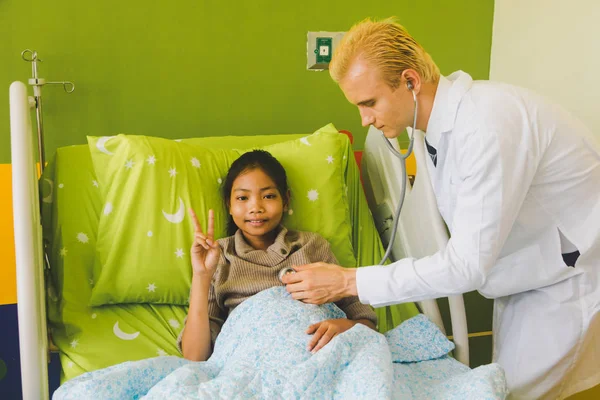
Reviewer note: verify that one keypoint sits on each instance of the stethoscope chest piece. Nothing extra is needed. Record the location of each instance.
(285, 271)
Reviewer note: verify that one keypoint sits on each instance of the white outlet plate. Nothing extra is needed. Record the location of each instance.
(312, 50)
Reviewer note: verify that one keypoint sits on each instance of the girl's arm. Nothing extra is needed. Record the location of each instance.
(205, 254)
(196, 340)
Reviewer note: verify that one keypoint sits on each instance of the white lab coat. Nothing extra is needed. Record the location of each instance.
(518, 183)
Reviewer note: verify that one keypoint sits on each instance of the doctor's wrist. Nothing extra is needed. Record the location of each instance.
(350, 282)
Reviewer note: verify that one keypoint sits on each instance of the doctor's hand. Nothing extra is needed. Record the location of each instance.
(205, 250)
(321, 283)
(325, 331)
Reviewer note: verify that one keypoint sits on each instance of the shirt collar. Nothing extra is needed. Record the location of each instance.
(448, 95)
(280, 247)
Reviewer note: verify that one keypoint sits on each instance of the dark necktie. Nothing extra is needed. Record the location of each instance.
(571, 258)
(432, 153)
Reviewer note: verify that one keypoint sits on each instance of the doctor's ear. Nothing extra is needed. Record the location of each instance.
(412, 80)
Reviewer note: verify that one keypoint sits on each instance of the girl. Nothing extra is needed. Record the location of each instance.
(228, 271)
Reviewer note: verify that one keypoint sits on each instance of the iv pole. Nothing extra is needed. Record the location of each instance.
(36, 101)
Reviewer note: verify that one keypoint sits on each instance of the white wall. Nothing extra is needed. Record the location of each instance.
(552, 47)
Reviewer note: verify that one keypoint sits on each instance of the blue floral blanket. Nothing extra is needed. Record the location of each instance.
(262, 353)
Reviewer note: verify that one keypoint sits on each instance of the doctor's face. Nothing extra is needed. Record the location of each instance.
(389, 110)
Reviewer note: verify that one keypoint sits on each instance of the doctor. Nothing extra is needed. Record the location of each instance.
(517, 181)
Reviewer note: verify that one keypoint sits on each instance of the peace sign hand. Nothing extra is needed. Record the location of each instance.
(205, 251)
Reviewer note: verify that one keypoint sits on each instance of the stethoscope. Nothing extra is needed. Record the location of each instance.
(285, 271)
(402, 158)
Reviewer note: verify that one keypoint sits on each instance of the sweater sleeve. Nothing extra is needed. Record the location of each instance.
(356, 310)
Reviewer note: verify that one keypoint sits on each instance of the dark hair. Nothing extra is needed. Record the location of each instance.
(254, 159)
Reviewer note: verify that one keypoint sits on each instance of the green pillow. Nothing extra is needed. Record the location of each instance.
(147, 184)
(103, 150)
(241, 142)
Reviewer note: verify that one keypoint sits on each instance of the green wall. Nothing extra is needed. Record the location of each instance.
(200, 68)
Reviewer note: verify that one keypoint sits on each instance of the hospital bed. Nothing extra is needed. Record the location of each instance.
(421, 232)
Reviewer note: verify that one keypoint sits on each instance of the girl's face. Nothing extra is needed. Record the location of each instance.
(257, 207)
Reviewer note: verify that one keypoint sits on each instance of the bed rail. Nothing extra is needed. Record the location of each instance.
(33, 341)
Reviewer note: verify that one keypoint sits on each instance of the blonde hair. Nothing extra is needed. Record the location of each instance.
(384, 45)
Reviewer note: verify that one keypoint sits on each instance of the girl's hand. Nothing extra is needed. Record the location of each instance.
(205, 251)
(326, 330)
